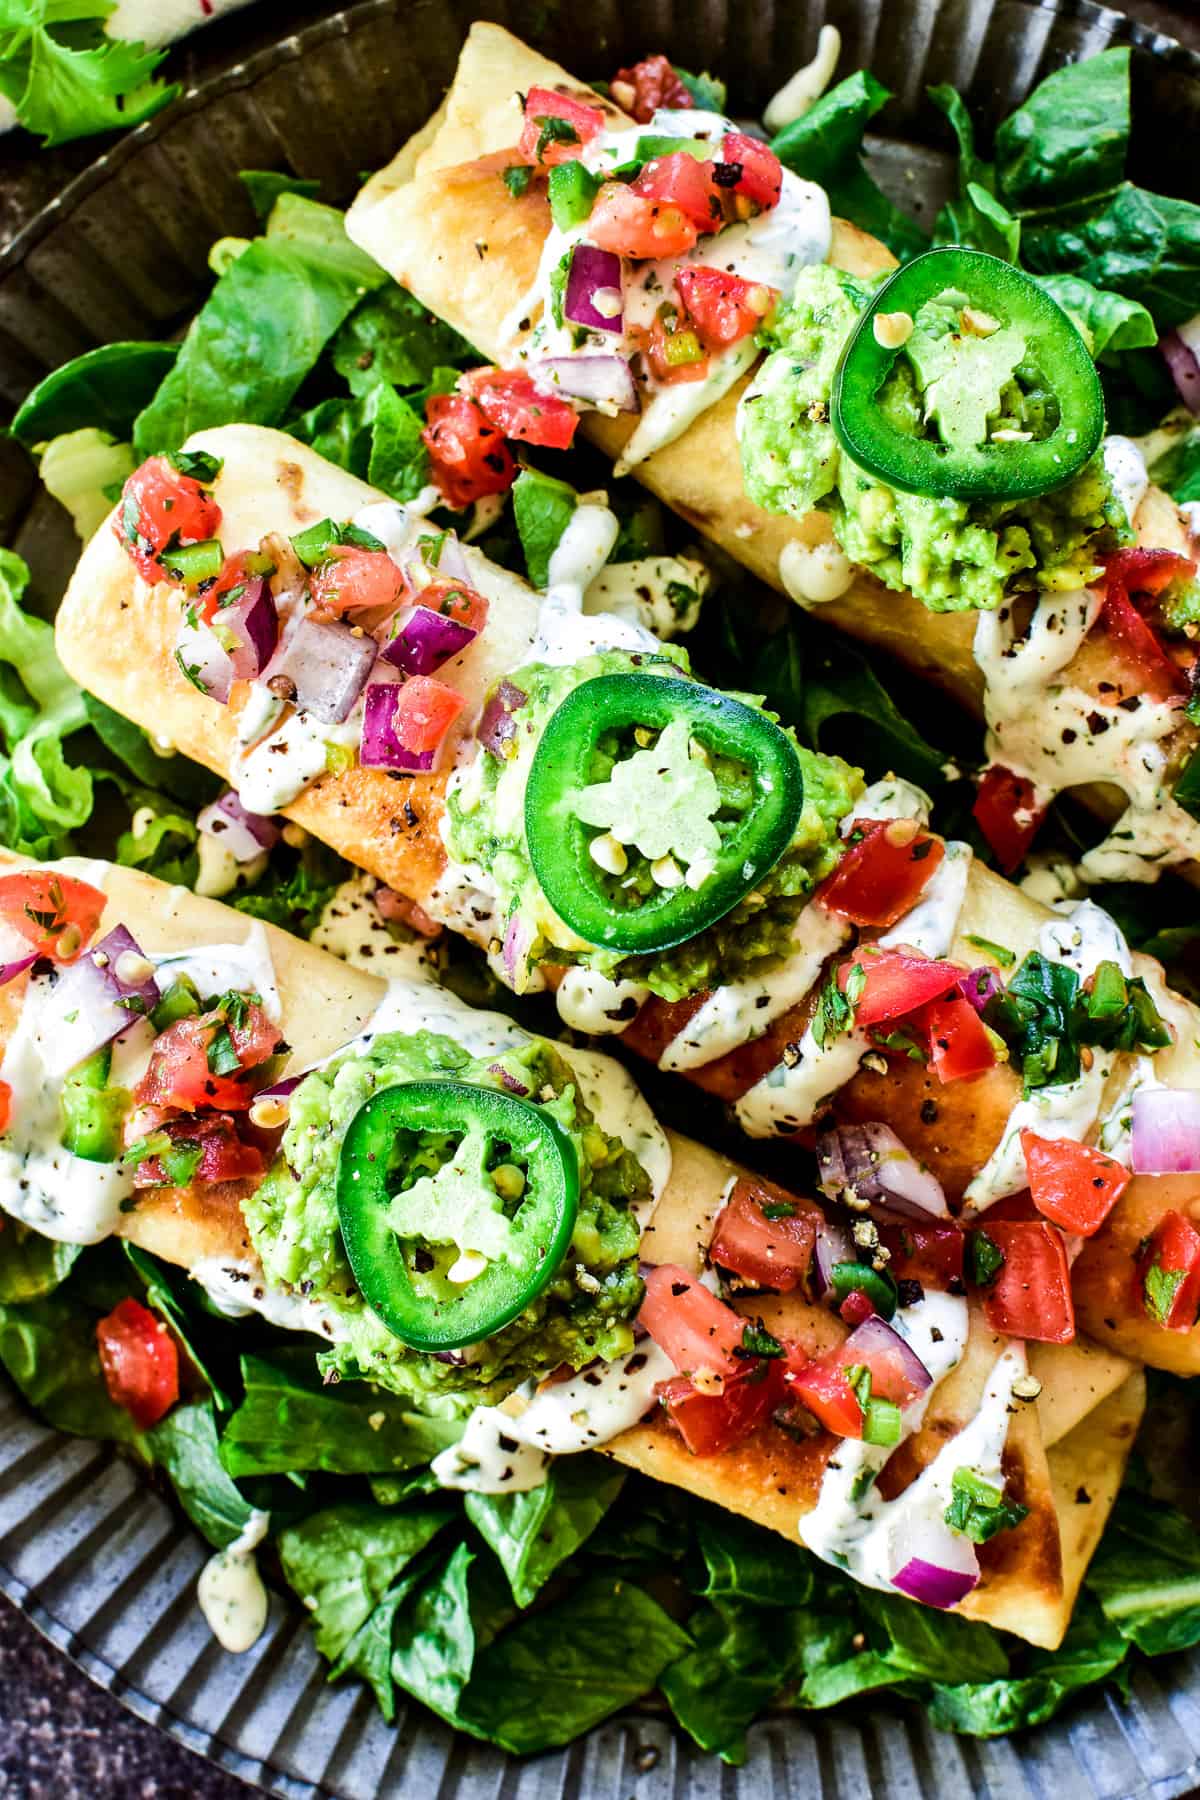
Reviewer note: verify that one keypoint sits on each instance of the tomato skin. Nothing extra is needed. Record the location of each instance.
(1031, 1295)
(179, 1076)
(685, 182)
(652, 83)
(454, 600)
(959, 1046)
(1139, 571)
(632, 225)
(770, 1253)
(1175, 1246)
(1072, 1185)
(520, 410)
(930, 1254)
(468, 457)
(693, 1327)
(897, 982)
(543, 103)
(159, 507)
(883, 873)
(48, 909)
(351, 578)
(710, 1423)
(822, 1387)
(761, 179)
(140, 1362)
(722, 307)
(425, 712)
(1007, 813)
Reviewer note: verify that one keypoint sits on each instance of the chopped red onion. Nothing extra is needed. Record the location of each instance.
(517, 941)
(98, 997)
(936, 1566)
(980, 986)
(403, 911)
(873, 1164)
(590, 271)
(875, 1337)
(244, 834)
(322, 668)
(424, 640)
(834, 1245)
(381, 746)
(279, 1090)
(203, 661)
(508, 1080)
(1185, 370)
(1166, 1131)
(498, 727)
(599, 380)
(250, 630)
(10, 970)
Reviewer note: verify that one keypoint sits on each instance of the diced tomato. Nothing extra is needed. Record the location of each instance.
(770, 1248)
(649, 84)
(959, 1045)
(667, 335)
(761, 179)
(454, 600)
(1031, 1295)
(1169, 1273)
(822, 1387)
(1158, 674)
(1007, 812)
(685, 182)
(512, 403)
(1072, 1185)
(696, 1330)
(468, 457)
(425, 712)
(1141, 571)
(632, 225)
(353, 578)
(930, 1254)
(220, 1154)
(892, 1374)
(5, 1104)
(710, 1423)
(540, 143)
(140, 1362)
(234, 574)
(896, 982)
(883, 873)
(56, 914)
(159, 508)
(855, 1307)
(179, 1075)
(722, 307)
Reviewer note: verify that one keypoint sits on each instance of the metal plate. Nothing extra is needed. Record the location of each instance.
(96, 1558)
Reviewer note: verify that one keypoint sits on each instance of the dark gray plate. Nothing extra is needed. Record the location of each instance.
(99, 1562)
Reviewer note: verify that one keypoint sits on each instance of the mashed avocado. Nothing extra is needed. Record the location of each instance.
(486, 827)
(584, 1313)
(954, 555)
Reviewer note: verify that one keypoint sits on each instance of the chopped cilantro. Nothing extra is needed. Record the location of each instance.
(222, 1057)
(1160, 1288)
(998, 952)
(757, 1341)
(777, 1209)
(516, 178)
(835, 1009)
(554, 131)
(985, 1259)
(199, 465)
(979, 1511)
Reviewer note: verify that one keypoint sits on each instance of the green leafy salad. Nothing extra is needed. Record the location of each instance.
(524, 1619)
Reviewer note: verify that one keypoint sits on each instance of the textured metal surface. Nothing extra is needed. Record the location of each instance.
(100, 1563)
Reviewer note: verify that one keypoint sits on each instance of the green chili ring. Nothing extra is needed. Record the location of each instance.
(559, 842)
(989, 471)
(545, 1219)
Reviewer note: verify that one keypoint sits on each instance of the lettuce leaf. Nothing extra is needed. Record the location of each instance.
(343, 1560)
(46, 796)
(533, 1533)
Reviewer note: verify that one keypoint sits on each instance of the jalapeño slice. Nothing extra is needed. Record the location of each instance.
(407, 1244)
(1009, 327)
(635, 752)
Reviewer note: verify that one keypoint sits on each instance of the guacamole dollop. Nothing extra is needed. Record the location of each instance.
(584, 1313)
(486, 828)
(954, 555)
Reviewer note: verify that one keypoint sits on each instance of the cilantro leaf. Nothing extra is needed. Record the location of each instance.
(978, 1510)
(63, 88)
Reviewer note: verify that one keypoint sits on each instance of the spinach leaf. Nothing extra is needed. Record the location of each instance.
(184, 1445)
(390, 338)
(174, 775)
(980, 221)
(264, 187)
(289, 1421)
(398, 463)
(1071, 137)
(343, 1560)
(1111, 323)
(1092, 1650)
(825, 146)
(744, 1562)
(533, 1533)
(262, 328)
(543, 508)
(104, 388)
(31, 1265)
(738, 1664)
(434, 1638)
(557, 1673)
(369, 1652)
(1146, 1575)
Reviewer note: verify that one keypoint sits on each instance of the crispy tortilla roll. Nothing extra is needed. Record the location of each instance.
(117, 637)
(1031, 1573)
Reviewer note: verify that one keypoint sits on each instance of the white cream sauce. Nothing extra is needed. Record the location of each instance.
(220, 871)
(217, 968)
(931, 926)
(230, 1590)
(239, 1289)
(807, 85)
(1127, 471)
(662, 594)
(814, 574)
(597, 1005)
